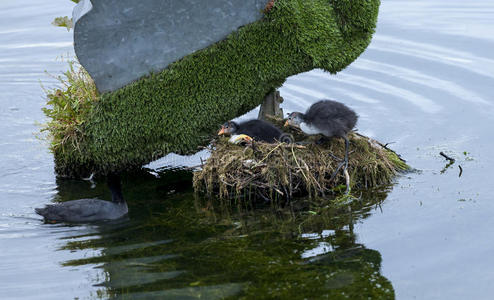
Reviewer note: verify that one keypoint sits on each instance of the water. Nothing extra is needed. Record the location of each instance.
(424, 85)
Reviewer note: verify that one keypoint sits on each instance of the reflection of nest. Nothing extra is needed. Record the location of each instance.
(272, 171)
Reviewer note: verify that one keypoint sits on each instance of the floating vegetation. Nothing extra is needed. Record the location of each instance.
(282, 171)
(63, 22)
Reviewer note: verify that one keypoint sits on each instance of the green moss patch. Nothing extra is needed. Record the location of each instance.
(177, 109)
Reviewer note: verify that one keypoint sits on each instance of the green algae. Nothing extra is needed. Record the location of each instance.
(175, 246)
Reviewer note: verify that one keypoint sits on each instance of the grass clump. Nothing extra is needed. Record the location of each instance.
(283, 171)
(67, 107)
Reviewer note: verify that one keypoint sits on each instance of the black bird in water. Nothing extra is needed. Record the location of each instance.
(329, 118)
(259, 130)
(88, 210)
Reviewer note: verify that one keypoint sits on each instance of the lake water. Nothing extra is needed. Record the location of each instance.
(424, 85)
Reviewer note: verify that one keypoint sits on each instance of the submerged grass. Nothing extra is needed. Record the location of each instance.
(282, 171)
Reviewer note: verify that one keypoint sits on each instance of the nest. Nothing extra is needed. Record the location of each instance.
(283, 171)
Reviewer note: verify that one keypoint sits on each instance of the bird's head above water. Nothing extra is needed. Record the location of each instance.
(294, 119)
(228, 128)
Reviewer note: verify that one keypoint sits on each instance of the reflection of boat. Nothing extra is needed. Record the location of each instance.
(175, 247)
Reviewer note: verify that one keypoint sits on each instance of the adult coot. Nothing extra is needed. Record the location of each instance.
(88, 210)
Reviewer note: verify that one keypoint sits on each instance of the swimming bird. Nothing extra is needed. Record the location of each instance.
(88, 210)
(259, 130)
(329, 118)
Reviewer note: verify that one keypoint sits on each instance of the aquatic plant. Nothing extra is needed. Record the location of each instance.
(268, 253)
(67, 106)
(65, 21)
(180, 107)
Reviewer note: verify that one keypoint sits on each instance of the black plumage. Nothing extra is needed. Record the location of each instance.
(88, 210)
(259, 130)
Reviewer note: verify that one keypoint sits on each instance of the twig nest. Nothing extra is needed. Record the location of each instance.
(282, 171)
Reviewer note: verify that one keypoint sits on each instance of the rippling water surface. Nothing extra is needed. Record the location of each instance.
(424, 85)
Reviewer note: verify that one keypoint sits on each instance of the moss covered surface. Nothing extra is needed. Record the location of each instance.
(283, 171)
(177, 109)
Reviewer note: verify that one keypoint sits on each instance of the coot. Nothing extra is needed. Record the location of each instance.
(88, 210)
(329, 118)
(259, 130)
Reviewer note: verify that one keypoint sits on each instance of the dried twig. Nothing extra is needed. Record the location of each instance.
(298, 165)
(452, 160)
(267, 155)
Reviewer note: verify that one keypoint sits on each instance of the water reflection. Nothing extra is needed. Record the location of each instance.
(171, 246)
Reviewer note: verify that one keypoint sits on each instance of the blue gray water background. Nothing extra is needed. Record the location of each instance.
(424, 85)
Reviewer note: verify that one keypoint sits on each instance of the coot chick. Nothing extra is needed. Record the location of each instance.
(259, 130)
(88, 210)
(329, 118)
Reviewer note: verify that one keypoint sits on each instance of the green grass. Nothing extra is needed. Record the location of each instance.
(67, 107)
